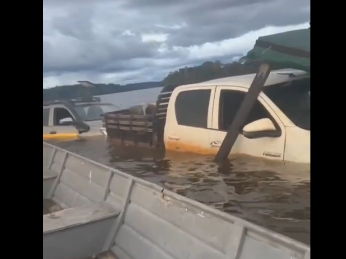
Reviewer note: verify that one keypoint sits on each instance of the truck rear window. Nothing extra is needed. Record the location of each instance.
(191, 108)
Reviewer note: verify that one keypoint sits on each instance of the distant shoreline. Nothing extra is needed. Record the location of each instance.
(188, 75)
(76, 91)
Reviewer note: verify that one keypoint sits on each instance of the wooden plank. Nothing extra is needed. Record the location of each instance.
(127, 116)
(243, 112)
(137, 123)
(129, 128)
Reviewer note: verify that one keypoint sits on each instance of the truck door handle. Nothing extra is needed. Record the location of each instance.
(215, 143)
(52, 132)
(174, 137)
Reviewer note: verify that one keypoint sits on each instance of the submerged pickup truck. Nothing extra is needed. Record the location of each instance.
(195, 118)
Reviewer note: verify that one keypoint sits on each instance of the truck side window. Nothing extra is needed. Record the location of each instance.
(297, 93)
(60, 114)
(45, 117)
(191, 108)
(230, 102)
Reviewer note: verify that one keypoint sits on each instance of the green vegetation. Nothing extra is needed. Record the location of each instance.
(207, 71)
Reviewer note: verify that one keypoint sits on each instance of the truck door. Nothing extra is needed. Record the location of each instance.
(266, 142)
(61, 124)
(188, 119)
(46, 121)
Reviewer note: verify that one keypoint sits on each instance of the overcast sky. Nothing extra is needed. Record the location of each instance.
(125, 41)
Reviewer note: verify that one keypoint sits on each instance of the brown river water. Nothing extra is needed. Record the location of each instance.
(273, 195)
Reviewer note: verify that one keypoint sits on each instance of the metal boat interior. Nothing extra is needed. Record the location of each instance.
(93, 210)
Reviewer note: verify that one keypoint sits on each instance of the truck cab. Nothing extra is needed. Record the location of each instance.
(278, 126)
(61, 122)
(69, 119)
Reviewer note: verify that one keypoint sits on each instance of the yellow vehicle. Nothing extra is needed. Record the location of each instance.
(70, 119)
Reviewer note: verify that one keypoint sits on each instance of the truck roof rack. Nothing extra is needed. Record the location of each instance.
(73, 101)
(87, 97)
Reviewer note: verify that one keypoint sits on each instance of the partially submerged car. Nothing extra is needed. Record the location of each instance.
(264, 115)
(195, 118)
(73, 118)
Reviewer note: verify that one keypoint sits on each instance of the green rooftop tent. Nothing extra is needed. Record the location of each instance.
(283, 50)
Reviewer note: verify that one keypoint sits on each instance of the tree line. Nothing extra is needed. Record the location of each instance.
(207, 71)
(74, 91)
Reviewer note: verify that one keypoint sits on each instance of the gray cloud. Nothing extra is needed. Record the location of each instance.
(228, 21)
(104, 36)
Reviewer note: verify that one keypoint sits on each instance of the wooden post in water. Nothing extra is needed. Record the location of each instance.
(244, 110)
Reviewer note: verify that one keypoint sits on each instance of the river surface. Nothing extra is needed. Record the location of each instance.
(272, 195)
(267, 194)
(126, 99)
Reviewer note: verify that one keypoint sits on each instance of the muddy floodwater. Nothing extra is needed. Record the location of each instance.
(272, 195)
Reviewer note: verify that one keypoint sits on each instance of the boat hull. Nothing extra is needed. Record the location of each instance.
(136, 219)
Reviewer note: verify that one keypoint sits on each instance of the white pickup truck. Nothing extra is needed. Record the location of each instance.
(195, 118)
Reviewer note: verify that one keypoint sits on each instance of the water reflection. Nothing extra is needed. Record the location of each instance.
(272, 195)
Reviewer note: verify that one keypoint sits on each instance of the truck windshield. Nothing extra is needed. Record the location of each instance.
(293, 100)
(93, 112)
